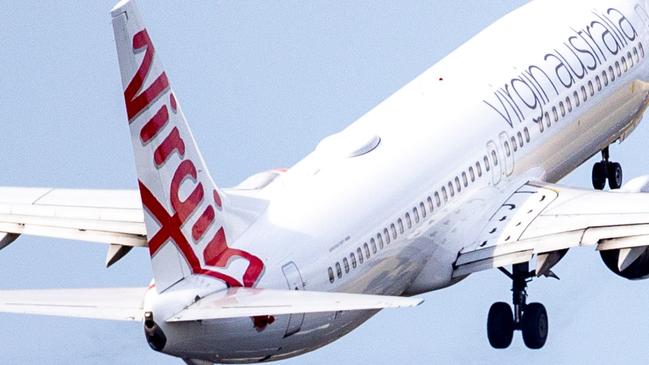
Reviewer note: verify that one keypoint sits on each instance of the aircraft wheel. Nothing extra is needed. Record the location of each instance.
(535, 325)
(614, 172)
(500, 325)
(599, 175)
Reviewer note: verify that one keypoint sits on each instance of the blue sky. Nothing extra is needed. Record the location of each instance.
(261, 82)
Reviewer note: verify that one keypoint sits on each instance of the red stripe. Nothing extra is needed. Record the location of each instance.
(137, 103)
(203, 223)
(170, 230)
(172, 143)
(154, 125)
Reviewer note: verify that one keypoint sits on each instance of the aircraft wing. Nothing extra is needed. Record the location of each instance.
(108, 216)
(123, 304)
(546, 220)
(251, 302)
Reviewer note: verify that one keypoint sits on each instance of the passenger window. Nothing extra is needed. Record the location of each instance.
(611, 73)
(641, 49)
(540, 123)
(630, 59)
(379, 238)
(415, 213)
(360, 255)
(569, 104)
(373, 244)
(346, 265)
(514, 144)
(635, 54)
(353, 258)
(605, 77)
(400, 223)
(408, 220)
(584, 97)
(591, 88)
(575, 96)
(624, 64)
(527, 134)
(563, 109)
(331, 275)
(472, 173)
(394, 231)
(366, 248)
(430, 205)
(599, 83)
(438, 201)
(422, 207)
(387, 236)
(508, 152)
(450, 189)
(464, 179)
(547, 118)
(555, 114)
(520, 138)
(618, 69)
(478, 168)
(486, 161)
(457, 184)
(494, 158)
(339, 270)
(444, 193)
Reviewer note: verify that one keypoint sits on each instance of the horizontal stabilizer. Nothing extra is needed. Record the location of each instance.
(121, 304)
(249, 302)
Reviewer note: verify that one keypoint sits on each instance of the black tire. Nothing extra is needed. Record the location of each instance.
(614, 175)
(535, 326)
(599, 175)
(500, 325)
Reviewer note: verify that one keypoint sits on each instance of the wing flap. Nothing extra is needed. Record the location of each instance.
(541, 218)
(250, 302)
(122, 304)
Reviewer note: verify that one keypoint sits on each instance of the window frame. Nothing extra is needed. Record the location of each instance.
(526, 132)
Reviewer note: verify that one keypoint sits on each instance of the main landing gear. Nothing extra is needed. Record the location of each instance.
(606, 170)
(531, 319)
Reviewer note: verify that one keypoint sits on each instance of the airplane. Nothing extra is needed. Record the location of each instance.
(228, 287)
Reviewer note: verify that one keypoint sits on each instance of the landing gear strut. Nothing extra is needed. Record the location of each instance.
(531, 319)
(606, 170)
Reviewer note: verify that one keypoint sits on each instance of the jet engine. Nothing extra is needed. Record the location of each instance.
(629, 263)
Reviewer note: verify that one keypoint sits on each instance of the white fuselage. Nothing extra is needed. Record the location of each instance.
(531, 97)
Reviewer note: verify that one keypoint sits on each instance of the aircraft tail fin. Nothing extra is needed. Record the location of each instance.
(187, 217)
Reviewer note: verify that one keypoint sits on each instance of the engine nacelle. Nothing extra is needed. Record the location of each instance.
(637, 270)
